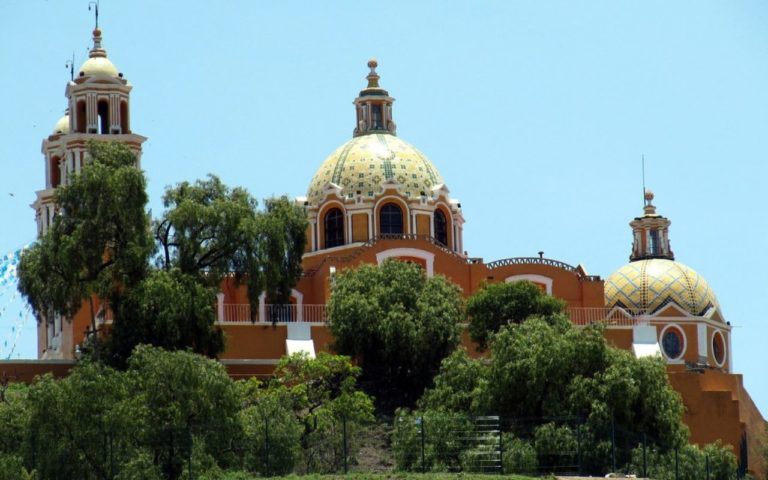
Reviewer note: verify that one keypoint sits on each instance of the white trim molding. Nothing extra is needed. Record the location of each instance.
(428, 257)
(531, 277)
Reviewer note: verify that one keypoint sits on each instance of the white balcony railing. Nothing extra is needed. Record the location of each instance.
(268, 313)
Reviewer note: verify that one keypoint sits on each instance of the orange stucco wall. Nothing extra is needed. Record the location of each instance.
(718, 407)
(360, 227)
(422, 224)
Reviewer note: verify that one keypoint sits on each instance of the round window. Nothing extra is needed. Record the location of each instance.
(673, 343)
(718, 348)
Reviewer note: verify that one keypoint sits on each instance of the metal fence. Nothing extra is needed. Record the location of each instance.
(439, 442)
(429, 443)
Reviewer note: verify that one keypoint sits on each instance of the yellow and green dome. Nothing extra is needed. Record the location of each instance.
(651, 284)
(364, 163)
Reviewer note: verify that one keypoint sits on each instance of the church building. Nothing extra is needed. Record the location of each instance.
(378, 197)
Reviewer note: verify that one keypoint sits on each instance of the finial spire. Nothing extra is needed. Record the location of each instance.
(97, 50)
(373, 77)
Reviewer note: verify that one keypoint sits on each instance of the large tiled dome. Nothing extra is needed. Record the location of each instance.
(649, 285)
(364, 163)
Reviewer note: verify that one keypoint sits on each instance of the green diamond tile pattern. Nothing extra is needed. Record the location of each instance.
(366, 162)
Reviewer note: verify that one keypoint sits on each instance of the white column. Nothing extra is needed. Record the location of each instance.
(349, 227)
(370, 225)
(313, 227)
(63, 170)
(647, 249)
(263, 307)
(220, 306)
(432, 224)
(701, 334)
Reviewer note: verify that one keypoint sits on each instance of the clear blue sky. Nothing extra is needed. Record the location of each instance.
(536, 113)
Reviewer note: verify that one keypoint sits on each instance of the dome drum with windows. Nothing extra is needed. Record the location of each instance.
(377, 184)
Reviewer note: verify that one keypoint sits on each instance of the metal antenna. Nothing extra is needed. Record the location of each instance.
(643, 157)
(96, 8)
(71, 66)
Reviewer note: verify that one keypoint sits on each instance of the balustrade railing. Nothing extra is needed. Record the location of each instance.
(274, 313)
(317, 313)
(269, 313)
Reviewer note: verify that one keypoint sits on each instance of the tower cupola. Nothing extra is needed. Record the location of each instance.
(374, 106)
(650, 233)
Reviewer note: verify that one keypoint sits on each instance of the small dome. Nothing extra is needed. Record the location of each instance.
(649, 285)
(364, 163)
(99, 66)
(62, 126)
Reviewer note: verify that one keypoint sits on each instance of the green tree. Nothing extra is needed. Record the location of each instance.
(271, 444)
(398, 324)
(459, 385)
(170, 310)
(99, 243)
(324, 397)
(14, 424)
(185, 400)
(209, 231)
(499, 304)
(81, 426)
(546, 368)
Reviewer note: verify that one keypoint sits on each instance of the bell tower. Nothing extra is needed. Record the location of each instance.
(98, 109)
(98, 98)
(651, 233)
(374, 106)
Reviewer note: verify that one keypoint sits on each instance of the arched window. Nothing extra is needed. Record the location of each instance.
(334, 228)
(391, 218)
(55, 172)
(124, 118)
(80, 116)
(441, 227)
(102, 109)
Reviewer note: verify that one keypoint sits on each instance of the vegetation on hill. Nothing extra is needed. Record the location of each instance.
(172, 411)
(397, 324)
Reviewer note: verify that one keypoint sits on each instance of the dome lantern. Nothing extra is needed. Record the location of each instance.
(374, 106)
(650, 233)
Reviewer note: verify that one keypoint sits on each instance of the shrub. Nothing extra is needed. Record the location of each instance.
(691, 462)
(443, 440)
(518, 456)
